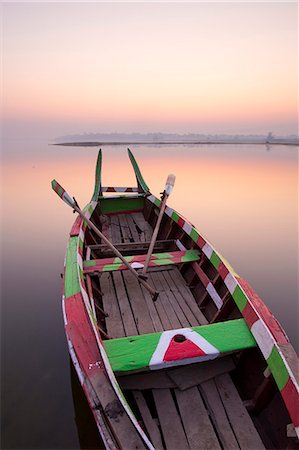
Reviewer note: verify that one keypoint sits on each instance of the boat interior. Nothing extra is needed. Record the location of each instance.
(231, 402)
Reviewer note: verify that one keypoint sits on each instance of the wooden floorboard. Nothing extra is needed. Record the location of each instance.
(170, 421)
(150, 424)
(218, 415)
(163, 298)
(198, 428)
(124, 228)
(138, 304)
(152, 310)
(124, 305)
(134, 233)
(180, 285)
(244, 429)
(114, 323)
(115, 230)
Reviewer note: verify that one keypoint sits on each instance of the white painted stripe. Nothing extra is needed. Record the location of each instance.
(230, 282)
(263, 338)
(151, 198)
(63, 310)
(207, 249)
(81, 234)
(214, 295)
(80, 260)
(169, 211)
(75, 362)
(157, 362)
(68, 200)
(137, 265)
(180, 245)
(297, 431)
(187, 227)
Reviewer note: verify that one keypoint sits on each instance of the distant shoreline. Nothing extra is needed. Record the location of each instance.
(226, 142)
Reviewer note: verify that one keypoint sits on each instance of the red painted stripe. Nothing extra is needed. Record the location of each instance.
(249, 314)
(223, 270)
(291, 399)
(140, 258)
(79, 331)
(201, 275)
(200, 242)
(80, 251)
(182, 350)
(76, 227)
(128, 211)
(181, 222)
(271, 322)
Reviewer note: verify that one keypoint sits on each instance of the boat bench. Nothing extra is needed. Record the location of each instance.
(177, 347)
(137, 261)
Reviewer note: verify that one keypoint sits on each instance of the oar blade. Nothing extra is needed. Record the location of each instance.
(169, 183)
(62, 193)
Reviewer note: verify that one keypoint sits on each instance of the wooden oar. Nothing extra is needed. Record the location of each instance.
(74, 205)
(166, 193)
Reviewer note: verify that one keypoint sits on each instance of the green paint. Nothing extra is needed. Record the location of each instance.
(81, 244)
(54, 184)
(162, 255)
(157, 202)
(175, 216)
(134, 353)
(278, 368)
(137, 171)
(191, 255)
(194, 235)
(60, 191)
(71, 281)
(162, 262)
(111, 267)
(89, 263)
(215, 260)
(115, 205)
(97, 186)
(239, 298)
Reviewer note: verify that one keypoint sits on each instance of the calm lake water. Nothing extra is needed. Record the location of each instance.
(243, 199)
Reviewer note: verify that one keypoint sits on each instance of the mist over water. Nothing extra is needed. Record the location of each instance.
(242, 198)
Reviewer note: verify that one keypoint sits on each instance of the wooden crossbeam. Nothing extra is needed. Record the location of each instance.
(137, 261)
(177, 347)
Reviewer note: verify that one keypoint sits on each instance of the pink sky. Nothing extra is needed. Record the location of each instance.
(173, 67)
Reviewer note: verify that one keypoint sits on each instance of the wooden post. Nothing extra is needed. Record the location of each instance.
(168, 188)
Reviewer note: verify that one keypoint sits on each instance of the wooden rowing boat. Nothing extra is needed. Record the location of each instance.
(204, 365)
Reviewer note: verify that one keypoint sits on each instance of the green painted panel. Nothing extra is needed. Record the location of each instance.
(194, 235)
(278, 369)
(191, 255)
(111, 267)
(175, 216)
(157, 202)
(115, 205)
(97, 186)
(89, 263)
(71, 281)
(137, 171)
(134, 353)
(240, 298)
(215, 260)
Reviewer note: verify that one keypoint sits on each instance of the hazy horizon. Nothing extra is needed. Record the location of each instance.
(206, 68)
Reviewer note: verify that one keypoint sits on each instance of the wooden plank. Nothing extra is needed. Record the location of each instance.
(160, 308)
(186, 377)
(193, 321)
(124, 305)
(196, 421)
(244, 429)
(124, 228)
(218, 415)
(143, 225)
(115, 229)
(138, 304)
(160, 245)
(171, 425)
(114, 323)
(168, 308)
(150, 424)
(152, 380)
(180, 284)
(135, 353)
(152, 310)
(132, 227)
(173, 301)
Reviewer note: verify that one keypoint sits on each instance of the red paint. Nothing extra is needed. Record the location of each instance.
(291, 399)
(200, 242)
(182, 350)
(128, 211)
(265, 314)
(201, 275)
(80, 251)
(181, 222)
(76, 227)
(249, 315)
(223, 270)
(79, 331)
